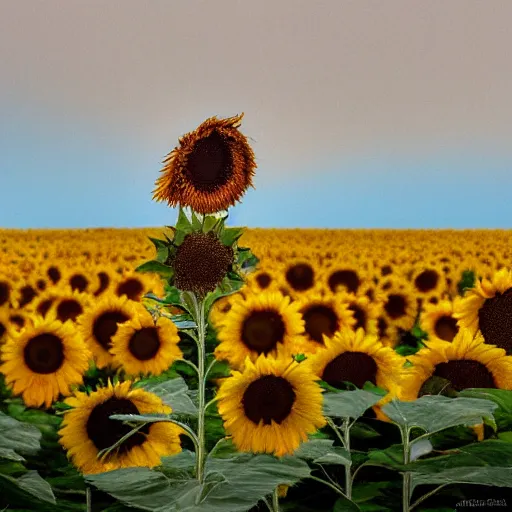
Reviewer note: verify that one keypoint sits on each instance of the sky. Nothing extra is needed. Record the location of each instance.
(362, 114)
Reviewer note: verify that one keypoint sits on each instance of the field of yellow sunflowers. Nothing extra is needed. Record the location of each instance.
(206, 368)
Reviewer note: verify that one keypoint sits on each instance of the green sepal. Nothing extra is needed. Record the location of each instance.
(197, 224)
(156, 267)
(162, 249)
(230, 235)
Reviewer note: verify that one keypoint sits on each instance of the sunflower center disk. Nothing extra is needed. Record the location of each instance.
(27, 295)
(263, 280)
(54, 274)
(446, 328)
(465, 374)
(2, 330)
(359, 316)
(268, 398)
(69, 309)
(210, 163)
(347, 278)
(145, 343)
(320, 320)
(426, 281)
(132, 288)
(105, 432)
(44, 306)
(300, 277)
(262, 331)
(4, 293)
(104, 282)
(44, 353)
(105, 327)
(495, 320)
(395, 306)
(78, 282)
(354, 367)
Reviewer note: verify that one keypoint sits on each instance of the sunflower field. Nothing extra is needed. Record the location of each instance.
(206, 368)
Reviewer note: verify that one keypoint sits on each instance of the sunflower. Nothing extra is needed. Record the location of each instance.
(69, 304)
(42, 304)
(5, 325)
(357, 357)
(488, 307)
(467, 362)
(134, 285)
(428, 281)
(344, 278)
(400, 307)
(99, 323)
(142, 346)
(210, 170)
(7, 287)
(222, 306)
(323, 315)
(81, 278)
(260, 324)
(201, 263)
(438, 321)
(364, 312)
(105, 278)
(44, 360)
(87, 430)
(25, 292)
(271, 407)
(300, 274)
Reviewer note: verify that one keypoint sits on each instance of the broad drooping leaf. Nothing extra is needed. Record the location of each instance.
(349, 404)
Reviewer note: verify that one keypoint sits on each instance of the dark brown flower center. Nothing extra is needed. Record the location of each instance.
(104, 282)
(4, 293)
(130, 287)
(386, 270)
(382, 325)
(201, 263)
(69, 309)
(268, 398)
(347, 278)
(465, 373)
(359, 316)
(105, 326)
(446, 328)
(320, 319)
(105, 432)
(145, 343)
(426, 281)
(300, 276)
(27, 295)
(44, 306)
(17, 320)
(210, 163)
(263, 280)
(354, 367)
(495, 320)
(263, 330)
(44, 353)
(41, 285)
(54, 274)
(78, 282)
(3, 329)
(395, 306)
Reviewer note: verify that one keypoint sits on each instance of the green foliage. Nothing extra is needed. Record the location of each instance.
(349, 404)
(157, 267)
(467, 281)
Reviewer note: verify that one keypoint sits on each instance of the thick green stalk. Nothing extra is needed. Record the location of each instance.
(201, 356)
(275, 500)
(348, 472)
(406, 485)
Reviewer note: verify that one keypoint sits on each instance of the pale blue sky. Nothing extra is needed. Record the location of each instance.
(362, 114)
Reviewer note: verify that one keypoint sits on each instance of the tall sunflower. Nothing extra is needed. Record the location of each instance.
(357, 358)
(99, 323)
(87, 430)
(488, 307)
(271, 406)
(44, 360)
(211, 168)
(143, 346)
(438, 322)
(261, 324)
(467, 362)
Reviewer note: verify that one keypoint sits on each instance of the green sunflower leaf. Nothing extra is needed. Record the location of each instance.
(209, 223)
(322, 451)
(33, 484)
(156, 267)
(349, 404)
(230, 235)
(183, 223)
(434, 413)
(162, 249)
(174, 393)
(20, 437)
(501, 397)
(8, 454)
(345, 505)
(196, 222)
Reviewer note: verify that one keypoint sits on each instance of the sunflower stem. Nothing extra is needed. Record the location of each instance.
(406, 485)
(103, 454)
(275, 500)
(88, 499)
(201, 356)
(333, 487)
(348, 472)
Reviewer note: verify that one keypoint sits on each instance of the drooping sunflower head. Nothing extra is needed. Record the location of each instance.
(201, 263)
(438, 322)
(44, 360)
(488, 307)
(100, 322)
(87, 429)
(323, 315)
(143, 346)
(211, 168)
(266, 323)
(466, 362)
(272, 406)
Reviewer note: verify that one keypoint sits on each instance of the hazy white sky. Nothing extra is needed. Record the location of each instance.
(324, 84)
